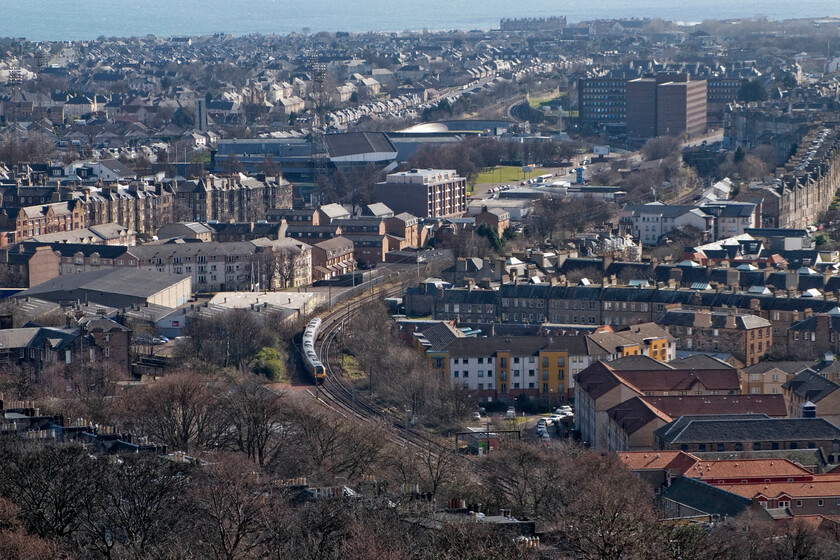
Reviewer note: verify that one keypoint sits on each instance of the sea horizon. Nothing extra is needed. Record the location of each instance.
(47, 20)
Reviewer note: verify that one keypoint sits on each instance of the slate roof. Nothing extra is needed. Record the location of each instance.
(699, 361)
(698, 405)
(810, 324)
(705, 497)
(810, 386)
(746, 428)
(787, 366)
(440, 334)
(687, 318)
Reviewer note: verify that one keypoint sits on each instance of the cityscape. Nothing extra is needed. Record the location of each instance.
(555, 289)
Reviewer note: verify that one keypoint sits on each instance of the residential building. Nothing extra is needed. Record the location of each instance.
(602, 386)
(744, 432)
(810, 395)
(332, 258)
(426, 193)
(812, 337)
(633, 422)
(644, 339)
(747, 337)
(767, 378)
(505, 368)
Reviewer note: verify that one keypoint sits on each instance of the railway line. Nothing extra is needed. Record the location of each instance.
(334, 392)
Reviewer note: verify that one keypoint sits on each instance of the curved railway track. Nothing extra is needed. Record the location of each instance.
(335, 393)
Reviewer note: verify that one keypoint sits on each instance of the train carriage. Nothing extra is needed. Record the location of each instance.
(310, 356)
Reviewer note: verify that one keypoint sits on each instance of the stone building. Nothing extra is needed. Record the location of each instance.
(747, 337)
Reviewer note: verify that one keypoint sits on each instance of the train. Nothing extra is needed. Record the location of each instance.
(310, 357)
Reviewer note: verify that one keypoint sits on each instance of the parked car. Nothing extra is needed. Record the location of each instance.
(565, 410)
(476, 416)
(511, 412)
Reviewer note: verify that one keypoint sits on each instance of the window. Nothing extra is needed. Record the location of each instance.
(756, 446)
(455, 373)
(798, 503)
(820, 503)
(481, 373)
(438, 363)
(701, 447)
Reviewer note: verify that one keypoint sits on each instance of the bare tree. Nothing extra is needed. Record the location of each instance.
(230, 503)
(255, 417)
(181, 411)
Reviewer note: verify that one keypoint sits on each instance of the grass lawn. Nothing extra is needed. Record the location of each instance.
(503, 174)
(536, 102)
(351, 367)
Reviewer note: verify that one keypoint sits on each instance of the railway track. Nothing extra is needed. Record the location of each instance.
(336, 394)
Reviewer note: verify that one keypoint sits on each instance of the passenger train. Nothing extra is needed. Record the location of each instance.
(310, 357)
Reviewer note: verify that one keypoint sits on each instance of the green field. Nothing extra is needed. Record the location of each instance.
(503, 174)
(537, 102)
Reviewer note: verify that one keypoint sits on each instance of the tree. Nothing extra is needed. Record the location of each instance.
(752, 90)
(491, 234)
(606, 512)
(254, 415)
(231, 339)
(661, 148)
(182, 411)
(230, 503)
(136, 508)
(49, 483)
(17, 544)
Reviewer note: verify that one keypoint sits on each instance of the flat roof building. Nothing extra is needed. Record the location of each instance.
(425, 193)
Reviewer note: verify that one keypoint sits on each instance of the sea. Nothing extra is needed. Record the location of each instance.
(64, 20)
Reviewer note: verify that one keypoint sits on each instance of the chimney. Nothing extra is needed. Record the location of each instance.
(703, 319)
(731, 320)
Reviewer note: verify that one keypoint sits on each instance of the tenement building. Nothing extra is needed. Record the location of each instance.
(807, 183)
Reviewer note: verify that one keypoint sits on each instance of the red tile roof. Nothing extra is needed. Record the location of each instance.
(748, 469)
(678, 461)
